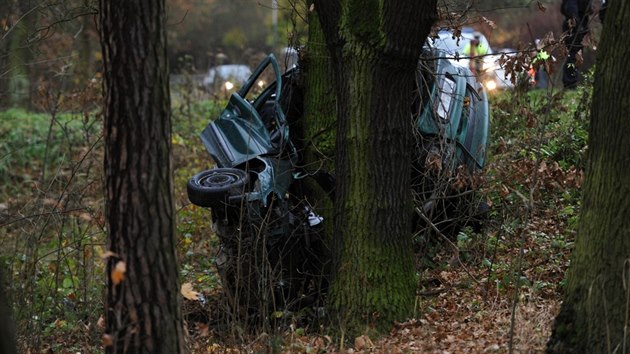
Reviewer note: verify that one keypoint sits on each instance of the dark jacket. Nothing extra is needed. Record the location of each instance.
(576, 8)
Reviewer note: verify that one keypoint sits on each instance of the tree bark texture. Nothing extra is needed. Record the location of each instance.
(375, 47)
(595, 314)
(7, 327)
(320, 118)
(143, 314)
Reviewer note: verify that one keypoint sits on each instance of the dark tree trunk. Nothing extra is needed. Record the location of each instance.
(7, 329)
(375, 47)
(143, 314)
(595, 313)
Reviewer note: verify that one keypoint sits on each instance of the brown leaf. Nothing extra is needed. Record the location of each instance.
(504, 191)
(542, 168)
(541, 7)
(188, 292)
(489, 22)
(101, 322)
(118, 274)
(108, 340)
(363, 342)
(204, 329)
(433, 162)
(579, 59)
(109, 254)
(85, 217)
(502, 147)
(49, 201)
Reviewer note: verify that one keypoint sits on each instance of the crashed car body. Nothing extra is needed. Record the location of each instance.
(269, 254)
(255, 191)
(452, 136)
(455, 110)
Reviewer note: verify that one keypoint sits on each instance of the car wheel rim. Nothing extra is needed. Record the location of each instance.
(218, 180)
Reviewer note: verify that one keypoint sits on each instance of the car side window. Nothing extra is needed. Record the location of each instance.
(266, 78)
(445, 98)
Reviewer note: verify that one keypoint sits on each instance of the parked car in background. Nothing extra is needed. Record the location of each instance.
(493, 75)
(271, 251)
(224, 79)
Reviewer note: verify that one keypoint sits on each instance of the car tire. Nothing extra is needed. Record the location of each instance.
(212, 187)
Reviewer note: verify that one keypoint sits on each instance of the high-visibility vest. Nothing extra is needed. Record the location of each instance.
(479, 49)
(542, 56)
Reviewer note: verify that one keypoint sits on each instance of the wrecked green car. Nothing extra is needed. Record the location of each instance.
(271, 254)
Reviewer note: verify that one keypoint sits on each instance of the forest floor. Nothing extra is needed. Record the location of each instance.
(493, 291)
(461, 316)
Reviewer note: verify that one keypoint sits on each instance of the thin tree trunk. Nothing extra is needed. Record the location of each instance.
(143, 314)
(19, 88)
(595, 314)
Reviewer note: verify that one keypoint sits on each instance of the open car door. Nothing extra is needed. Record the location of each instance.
(241, 133)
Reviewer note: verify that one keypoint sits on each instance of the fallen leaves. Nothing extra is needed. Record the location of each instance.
(108, 340)
(188, 292)
(118, 274)
(363, 342)
(120, 268)
(108, 254)
(101, 322)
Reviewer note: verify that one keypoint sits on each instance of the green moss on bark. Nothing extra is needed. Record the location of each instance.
(594, 313)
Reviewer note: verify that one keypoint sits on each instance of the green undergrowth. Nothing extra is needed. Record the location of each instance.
(35, 144)
(53, 226)
(533, 182)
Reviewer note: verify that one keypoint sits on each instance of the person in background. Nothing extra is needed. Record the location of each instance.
(475, 50)
(576, 17)
(540, 60)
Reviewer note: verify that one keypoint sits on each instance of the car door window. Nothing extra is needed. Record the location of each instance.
(445, 98)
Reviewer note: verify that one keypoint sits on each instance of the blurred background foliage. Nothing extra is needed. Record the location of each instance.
(56, 42)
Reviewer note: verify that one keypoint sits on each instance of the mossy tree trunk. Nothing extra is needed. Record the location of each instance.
(142, 308)
(595, 314)
(375, 47)
(320, 117)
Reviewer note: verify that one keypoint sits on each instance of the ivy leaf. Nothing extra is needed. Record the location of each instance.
(67, 283)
